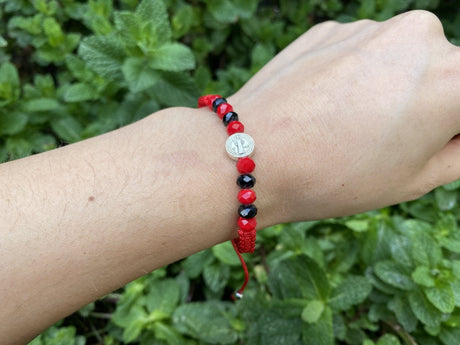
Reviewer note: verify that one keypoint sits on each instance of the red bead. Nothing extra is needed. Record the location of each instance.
(245, 165)
(203, 101)
(235, 127)
(247, 224)
(223, 109)
(246, 196)
(207, 100)
(212, 98)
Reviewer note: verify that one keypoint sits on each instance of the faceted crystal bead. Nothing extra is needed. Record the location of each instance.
(246, 196)
(235, 127)
(210, 100)
(223, 109)
(217, 102)
(247, 211)
(247, 224)
(204, 101)
(246, 181)
(229, 117)
(245, 165)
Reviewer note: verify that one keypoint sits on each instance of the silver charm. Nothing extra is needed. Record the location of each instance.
(239, 145)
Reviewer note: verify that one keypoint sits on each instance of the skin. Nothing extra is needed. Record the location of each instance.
(348, 118)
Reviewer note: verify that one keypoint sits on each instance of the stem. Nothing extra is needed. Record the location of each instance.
(402, 333)
(96, 334)
(96, 315)
(112, 297)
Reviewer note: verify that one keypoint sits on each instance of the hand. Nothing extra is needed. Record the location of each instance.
(354, 117)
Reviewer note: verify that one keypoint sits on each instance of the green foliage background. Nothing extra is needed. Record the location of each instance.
(70, 70)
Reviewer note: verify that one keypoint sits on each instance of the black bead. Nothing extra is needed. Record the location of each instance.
(217, 102)
(229, 117)
(246, 181)
(247, 211)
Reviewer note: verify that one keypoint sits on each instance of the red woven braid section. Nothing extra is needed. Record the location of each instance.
(246, 241)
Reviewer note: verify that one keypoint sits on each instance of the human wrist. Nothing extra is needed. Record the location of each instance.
(282, 178)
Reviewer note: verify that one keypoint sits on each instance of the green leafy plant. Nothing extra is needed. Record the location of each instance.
(73, 69)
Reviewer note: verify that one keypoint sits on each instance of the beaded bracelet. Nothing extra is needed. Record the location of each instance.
(239, 146)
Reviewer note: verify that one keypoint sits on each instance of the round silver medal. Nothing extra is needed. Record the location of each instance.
(239, 145)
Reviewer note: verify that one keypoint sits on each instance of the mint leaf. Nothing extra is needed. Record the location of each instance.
(167, 333)
(452, 186)
(216, 276)
(129, 28)
(67, 129)
(424, 310)
(393, 274)
(175, 89)
(388, 339)
(223, 11)
(422, 276)
(400, 306)
(79, 92)
(53, 31)
(451, 244)
(300, 277)
(401, 251)
(425, 250)
(163, 296)
(271, 323)
(261, 54)
(226, 254)
(18, 147)
(206, 321)
(183, 19)
(245, 8)
(130, 307)
(104, 55)
(312, 311)
(154, 13)
(456, 291)
(138, 74)
(40, 104)
(9, 84)
(358, 225)
(194, 264)
(3, 42)
(445, 199)
(42, 142)
(320, 332)
(353, 290)
(450, 336)
(12, 122)
(442, 297)
(376, 244)
(133, 330)
(173, 57)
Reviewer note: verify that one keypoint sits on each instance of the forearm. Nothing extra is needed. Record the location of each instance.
(83, 220)
(340, 128)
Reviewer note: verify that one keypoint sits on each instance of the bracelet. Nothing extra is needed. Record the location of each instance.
(240, 147)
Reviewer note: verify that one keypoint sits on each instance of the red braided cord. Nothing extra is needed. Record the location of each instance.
(246, 241)
(239, 293)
